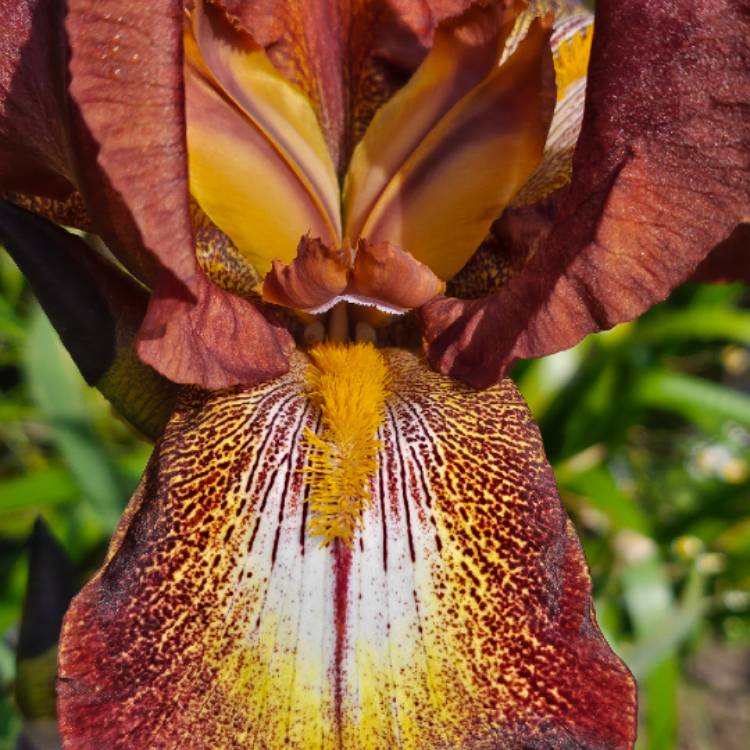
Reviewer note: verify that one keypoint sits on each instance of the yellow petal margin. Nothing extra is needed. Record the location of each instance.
(459, 618)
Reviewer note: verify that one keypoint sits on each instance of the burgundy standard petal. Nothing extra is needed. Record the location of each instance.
(219, 341)
(661, 175)
(92, 102)
(728, 261)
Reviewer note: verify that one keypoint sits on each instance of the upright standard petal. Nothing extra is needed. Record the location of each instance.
(459, 617)
(661, 175)
(463, 54)
(128, 119)
(440, 203)
(259, 165)
(348, 56)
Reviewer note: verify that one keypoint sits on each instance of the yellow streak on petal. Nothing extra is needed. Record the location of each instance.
(461, 57)
(572, 59)
(349, 383)
(241, 183)
(441, 203)
(273, 183)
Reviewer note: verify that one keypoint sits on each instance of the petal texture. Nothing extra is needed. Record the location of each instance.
(348, 56)
(660, 176)
(459, 618)
(128, 119)
(215, 341)
(259, 165)
(441, 201)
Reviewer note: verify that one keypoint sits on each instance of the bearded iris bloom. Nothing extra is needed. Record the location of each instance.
(335, 543)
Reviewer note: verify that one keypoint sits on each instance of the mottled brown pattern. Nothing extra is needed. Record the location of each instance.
(461, 618)
(69, 210)
(220, 260)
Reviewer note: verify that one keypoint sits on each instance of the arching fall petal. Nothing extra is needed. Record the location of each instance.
(440, 204)
(660, 177)
(216, 340)
(459, 617)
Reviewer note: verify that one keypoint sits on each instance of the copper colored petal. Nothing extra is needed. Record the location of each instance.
(129, 129)
(216, 341)
(92, 101)
(729, 260)
(461, 617)
(390, 278)
(660, 176)
(35, 152)
(316, 275)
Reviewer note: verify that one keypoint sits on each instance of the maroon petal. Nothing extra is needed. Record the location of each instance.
(218, 341)
(129, 119)
(93, 101)
(729, 260)
(660, 176)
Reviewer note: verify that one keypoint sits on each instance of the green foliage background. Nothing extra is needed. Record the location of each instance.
(647, 427)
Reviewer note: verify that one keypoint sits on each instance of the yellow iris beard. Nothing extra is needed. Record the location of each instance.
(349, 383)
(572, 59)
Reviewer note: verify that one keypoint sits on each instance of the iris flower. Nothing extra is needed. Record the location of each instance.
(314, 236)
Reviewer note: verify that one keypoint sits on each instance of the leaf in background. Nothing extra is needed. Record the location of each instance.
(36, 490)
(698, 323)
(703, 402)
(57, 390)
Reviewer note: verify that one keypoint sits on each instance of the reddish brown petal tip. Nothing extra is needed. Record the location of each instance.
(387, 276)
(317, 274)
(217, 341)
